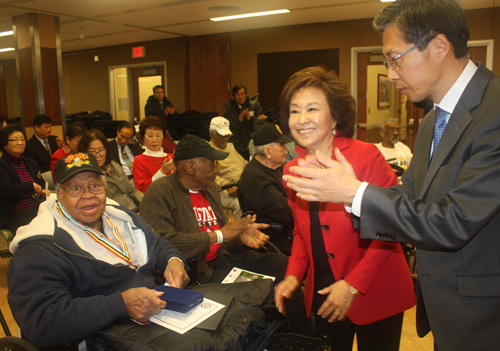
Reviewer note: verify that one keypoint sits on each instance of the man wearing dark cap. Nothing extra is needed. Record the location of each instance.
(185, 209)
(83, 263)
(262, 189)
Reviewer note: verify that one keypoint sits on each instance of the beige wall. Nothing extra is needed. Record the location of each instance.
(342, 35)
(86, 83)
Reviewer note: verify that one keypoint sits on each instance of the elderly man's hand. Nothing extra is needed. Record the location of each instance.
(142, 303)
(253, 237)
(323, 179)
(175, 274)
(233, 228)
(232, 191)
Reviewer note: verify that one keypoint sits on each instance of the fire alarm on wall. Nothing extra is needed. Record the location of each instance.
(139, 52)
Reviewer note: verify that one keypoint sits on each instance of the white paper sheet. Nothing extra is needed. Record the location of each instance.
(238, 275)
(182, 322)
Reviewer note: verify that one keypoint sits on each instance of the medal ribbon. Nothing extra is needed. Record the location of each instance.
(119, 249)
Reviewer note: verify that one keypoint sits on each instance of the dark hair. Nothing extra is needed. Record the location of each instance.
(152, 122)
(419, 20)
(38, 120)
(125, 125)
(91, 135)
(74, 130)
(5, 132)
(158, 87)
(339, 99)
(2, 119)
(237, 88)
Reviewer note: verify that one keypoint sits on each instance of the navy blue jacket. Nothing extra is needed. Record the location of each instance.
(60, 293)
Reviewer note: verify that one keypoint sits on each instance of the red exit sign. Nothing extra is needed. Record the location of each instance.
(139, 52)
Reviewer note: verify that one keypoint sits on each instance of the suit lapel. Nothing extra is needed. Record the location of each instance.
(457, 124)
(114, 149)
(39, 145)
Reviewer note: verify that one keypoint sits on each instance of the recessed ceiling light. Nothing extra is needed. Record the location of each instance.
(387, 0)
(224, 8)
(7, 49)
(9, 32)
(246, 15)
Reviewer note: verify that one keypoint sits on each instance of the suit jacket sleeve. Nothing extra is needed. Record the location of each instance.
(462, 191)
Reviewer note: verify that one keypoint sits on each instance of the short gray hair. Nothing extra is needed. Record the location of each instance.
(382, 125)
(259, 150)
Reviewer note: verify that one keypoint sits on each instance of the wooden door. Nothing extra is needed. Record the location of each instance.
(139, 72)
(209, 73)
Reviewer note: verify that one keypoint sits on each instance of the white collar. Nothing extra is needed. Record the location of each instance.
(117, 143)
(152, 153)
(40, 139)
(450, 100)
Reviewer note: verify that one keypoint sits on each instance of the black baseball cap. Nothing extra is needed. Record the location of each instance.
(73, 164)
(192, 146)
(269, 133)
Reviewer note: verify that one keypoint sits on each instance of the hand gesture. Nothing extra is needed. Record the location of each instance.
(60, 142)
(167, 165)
(337, 303)
(232, 191)
(284, 290)
(142, 303)
(37, 188)
(175, 274)
(323, 179)
(170, 110)
(253, 237)
(233, 228)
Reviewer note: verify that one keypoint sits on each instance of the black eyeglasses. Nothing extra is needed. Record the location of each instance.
(98, 152)
(390, 63)
(78, 191)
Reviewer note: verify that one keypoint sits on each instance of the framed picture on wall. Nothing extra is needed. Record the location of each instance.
(384, 92)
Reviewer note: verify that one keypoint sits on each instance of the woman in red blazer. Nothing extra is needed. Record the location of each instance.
(352, 285)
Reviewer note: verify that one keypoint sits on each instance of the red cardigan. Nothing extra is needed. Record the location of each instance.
(145, 167)
(377, 269)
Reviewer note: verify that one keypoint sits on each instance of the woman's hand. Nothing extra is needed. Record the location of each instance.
(337, 303)
(37, 187)
(167, 166)
(284, 290)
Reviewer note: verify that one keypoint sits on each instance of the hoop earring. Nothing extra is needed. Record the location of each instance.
(334, 131)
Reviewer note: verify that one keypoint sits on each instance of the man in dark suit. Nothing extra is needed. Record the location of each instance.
(449, 202)
(42, 145)
(122, 150)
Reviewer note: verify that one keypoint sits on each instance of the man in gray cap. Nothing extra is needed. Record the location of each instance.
(83, 263)
(185, 209)
(262, 189)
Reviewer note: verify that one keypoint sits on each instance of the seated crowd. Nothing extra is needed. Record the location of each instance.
(121, 211)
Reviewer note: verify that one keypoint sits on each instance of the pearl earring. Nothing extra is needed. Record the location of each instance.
(334, 131)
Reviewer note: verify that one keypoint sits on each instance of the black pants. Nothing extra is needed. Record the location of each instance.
(16, 220)
(383, 335)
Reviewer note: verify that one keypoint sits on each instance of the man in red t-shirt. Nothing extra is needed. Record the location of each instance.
(185, 209)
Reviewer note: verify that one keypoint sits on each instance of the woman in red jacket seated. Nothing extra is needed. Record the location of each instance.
(153, 163)
(74, 133)
(352, 285)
